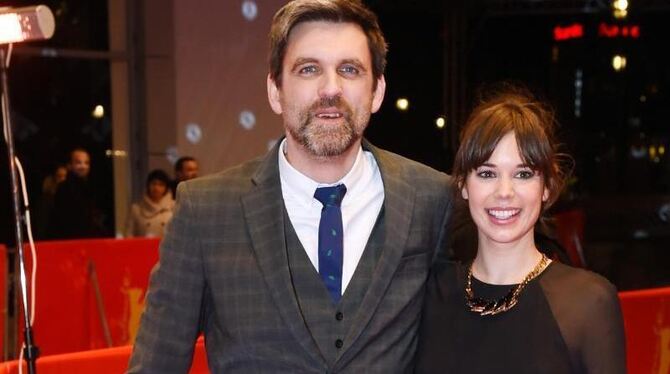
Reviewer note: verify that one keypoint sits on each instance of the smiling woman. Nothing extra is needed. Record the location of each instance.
(514, 310)
(505, 196)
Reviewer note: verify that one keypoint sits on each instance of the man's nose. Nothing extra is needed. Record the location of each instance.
(331, 84)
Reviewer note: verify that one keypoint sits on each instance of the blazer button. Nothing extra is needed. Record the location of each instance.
(339, 343)
(339, 316)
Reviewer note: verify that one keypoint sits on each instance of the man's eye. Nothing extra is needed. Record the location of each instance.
(349, 70)
(311, 69)
(486, 174)
(525, 174)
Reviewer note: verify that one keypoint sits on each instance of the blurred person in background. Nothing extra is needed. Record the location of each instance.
(184, 169)
(149, 216)
(76, 213)
(51, 181)
(46, 203)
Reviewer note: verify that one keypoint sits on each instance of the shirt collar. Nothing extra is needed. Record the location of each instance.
(301, 187)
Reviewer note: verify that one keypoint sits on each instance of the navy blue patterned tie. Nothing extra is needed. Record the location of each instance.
(330, 238)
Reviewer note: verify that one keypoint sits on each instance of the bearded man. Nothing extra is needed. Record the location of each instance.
(312, 259)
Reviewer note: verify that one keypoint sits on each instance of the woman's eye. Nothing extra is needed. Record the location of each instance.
(525, 174)
(486, 174)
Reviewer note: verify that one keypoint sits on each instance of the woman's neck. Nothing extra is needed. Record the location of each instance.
(505, 263)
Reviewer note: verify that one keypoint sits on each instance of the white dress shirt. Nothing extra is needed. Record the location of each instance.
(360, 207)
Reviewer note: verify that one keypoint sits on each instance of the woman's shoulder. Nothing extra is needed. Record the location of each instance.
(569, 275)
(586, 309)
(569, 283)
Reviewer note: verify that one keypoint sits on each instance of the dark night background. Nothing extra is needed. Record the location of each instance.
(617, 183)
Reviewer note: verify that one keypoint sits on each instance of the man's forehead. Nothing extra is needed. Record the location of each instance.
(78, 155)
(314, 36)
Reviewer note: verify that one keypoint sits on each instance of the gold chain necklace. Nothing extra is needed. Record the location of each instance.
(491, 307)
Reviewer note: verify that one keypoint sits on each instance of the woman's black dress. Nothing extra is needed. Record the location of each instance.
(567, 320)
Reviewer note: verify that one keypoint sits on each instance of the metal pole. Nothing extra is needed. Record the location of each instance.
(93, 277)
(30, 351)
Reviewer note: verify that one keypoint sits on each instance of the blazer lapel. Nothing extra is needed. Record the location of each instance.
(264, 211)
(398, 207)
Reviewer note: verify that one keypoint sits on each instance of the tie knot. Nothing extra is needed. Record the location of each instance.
(331, 196)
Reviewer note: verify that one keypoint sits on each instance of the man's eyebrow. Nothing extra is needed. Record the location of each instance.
(354, 61)
(301, 61)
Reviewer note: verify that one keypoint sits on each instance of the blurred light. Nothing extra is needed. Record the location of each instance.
(26, 23)
(193, 133)
(98, 112)
(643, 99)
(620, 4)
(620, 8)
(574, 31)
(661, 150)
(115, 153)
(249, 10)
(10, 28)
(620, 14)
(402, 104)
(606, 30)
(652, 151)
(172, 154)
(440, 122)
(247, 119)
(579, 83)
(619, 62)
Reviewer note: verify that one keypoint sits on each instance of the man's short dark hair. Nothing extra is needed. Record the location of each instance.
(340, 11)
(179, 165)
(77, 149)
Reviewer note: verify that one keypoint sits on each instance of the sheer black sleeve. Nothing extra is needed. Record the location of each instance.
(587, 311)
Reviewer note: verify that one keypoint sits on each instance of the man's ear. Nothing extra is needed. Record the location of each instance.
(378, 95)
(274, 95)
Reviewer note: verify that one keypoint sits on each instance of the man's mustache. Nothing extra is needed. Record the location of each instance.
(330, 102)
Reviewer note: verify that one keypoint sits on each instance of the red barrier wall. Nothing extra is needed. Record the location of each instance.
(67, 312)
(111, 360)
(68, 315)
(646, 316)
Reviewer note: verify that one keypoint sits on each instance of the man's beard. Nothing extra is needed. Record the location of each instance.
(328, 140)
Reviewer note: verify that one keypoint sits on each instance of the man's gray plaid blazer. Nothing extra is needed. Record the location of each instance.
(231, 264)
